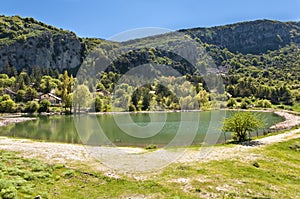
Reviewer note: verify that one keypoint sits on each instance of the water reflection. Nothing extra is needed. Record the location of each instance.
(62, 128)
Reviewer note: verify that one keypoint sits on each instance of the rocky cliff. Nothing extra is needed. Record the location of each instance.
(249, 37)
(25, 42)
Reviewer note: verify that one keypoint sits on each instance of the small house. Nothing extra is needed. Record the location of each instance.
(53, 99)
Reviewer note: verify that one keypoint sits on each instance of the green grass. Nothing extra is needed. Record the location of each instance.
(274, 173)
(28, 178)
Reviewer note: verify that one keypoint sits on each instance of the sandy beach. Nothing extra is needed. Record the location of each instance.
(11, 119)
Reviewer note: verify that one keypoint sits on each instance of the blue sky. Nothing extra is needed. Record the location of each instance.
(103, 19)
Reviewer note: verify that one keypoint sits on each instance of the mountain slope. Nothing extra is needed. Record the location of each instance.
(25, 43)
(249, 37)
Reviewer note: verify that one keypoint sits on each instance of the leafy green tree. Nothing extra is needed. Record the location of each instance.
(5, 81)
(98, 104)
(81, 97)
(31, 107)
(264, 104)
(231, 103)
(30, 94)
(47, 84)
(188, 103)
(69, 102)
(241, 123)
(7, 106)
(21, 96)
(203, 99)
(44, 106)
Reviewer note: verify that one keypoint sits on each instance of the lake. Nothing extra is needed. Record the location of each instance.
(134, 129)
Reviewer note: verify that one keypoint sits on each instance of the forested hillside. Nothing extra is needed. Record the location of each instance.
(259, 63)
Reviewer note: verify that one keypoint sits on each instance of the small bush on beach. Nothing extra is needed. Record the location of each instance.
(151, 146)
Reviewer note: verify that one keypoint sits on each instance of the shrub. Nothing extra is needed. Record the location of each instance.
(7, 106)
(151, 146)
(244, 104)
(264, 104)
(9, 193)
(31, 107)
(44, 106)
(231, 103)
(255, 164)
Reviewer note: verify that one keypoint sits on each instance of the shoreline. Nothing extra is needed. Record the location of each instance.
(291, 120)
(12, 119)
(99, 158)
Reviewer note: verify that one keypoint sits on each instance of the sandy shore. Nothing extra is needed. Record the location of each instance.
(289, 122)
(11, 119)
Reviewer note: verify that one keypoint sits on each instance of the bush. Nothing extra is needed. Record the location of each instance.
(9, 193)
(231, 103)
(255, 164)
(244, 104)
(44, 106)
(7, 190)
(264, 104)
(151, 146)
(7, 106)
(31, 107)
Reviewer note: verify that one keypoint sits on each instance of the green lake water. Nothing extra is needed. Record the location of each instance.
(135, 129)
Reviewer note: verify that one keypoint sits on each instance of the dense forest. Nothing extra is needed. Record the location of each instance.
(258, 63)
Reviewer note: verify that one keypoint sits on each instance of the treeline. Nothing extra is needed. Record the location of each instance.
(21, 91)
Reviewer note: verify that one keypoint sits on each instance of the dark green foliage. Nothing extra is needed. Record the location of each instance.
(255, 164)
(150, 146)
(31, 107)
(231, 103)
(7, 105)
(44, 106)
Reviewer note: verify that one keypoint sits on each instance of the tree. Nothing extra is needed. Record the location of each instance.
(65, 82)
(31, 107)
(264, 104)
(81, 97)
(47, 84)
(30, 94)
(44, 106)
(7, 106)
(241, 123)
(231, 103)
(203, 99)
(21, 96)
(69, 102)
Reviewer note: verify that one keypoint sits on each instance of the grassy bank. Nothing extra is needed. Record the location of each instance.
(268, 172)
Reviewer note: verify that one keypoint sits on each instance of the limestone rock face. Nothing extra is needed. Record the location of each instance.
(250, 37)
(25, 42)
(62, 51)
